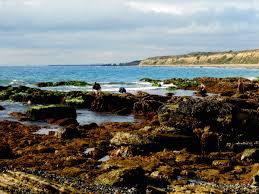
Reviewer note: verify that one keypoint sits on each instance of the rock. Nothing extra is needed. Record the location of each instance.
(123, 151)
(63, 83)
(251, 155)
(74, 160)
(221, 163)
(146, 106)
(52, 111)
(255, 180)
(20, 116)
(205, 109)
(165, 173)
(69, 132)
(209, 142)
(75, 101)
(44, 149)
(113, 103)
(155, 190)
(63, 122)
(122, 177)
(124, 138)
(88, 127)
(5, 151)
(175, 141)
(1, 108)
(94, 153)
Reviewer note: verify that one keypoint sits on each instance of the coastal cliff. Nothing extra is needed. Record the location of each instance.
(206, 58)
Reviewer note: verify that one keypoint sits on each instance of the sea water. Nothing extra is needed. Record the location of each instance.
(112, 77)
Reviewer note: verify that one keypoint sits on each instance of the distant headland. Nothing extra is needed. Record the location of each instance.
(228, 58)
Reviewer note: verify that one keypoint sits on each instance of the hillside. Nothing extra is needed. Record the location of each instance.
(203, 58)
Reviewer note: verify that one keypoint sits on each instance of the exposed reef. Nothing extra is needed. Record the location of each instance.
(182, 144)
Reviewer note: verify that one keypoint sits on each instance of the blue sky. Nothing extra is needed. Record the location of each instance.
(104, 31)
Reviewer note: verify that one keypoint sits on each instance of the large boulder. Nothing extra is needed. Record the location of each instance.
(195, 112)
(52, 111)
(113, 103)
(130, 176)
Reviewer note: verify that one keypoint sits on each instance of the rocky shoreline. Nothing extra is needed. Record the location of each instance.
(183, 144)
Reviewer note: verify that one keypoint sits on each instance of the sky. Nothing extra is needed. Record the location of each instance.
(35, 32)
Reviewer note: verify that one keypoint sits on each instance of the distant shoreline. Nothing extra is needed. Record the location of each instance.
(250, 66)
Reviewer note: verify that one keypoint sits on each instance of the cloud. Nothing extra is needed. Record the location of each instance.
(61, 31)
(190, 7)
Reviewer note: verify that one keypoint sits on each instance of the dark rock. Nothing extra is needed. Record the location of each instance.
(63, 122)
(113, 103)
(44, 149)
(67, 133)
(1, 108)
(255, 180)
(175, 141)
(88, 126)
(209, 142)
(146, 106)
(51, 111)
(20, 116)
(5, 151)
(251, 155)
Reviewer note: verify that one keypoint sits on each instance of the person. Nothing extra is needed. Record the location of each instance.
(240, 86)
(29, 103)
(203, 90)
(97, 88)
(122, 90)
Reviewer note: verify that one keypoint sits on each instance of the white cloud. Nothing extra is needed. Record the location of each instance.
(190, 7)
(80, 31)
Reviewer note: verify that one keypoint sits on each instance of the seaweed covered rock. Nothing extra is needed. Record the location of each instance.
(69, 132)
(148, 104)
(113, 103)
(63, 83)
(52, 111)
(124, 138)
(251, 155)
(193, 112)
(130, 176)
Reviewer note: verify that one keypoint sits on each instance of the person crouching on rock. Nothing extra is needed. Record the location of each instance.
(122, 90)
(97, 88)
(203, 90)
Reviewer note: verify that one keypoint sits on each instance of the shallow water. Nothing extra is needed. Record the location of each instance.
(84, 116)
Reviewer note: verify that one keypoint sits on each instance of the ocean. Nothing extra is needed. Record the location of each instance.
(112, 77)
